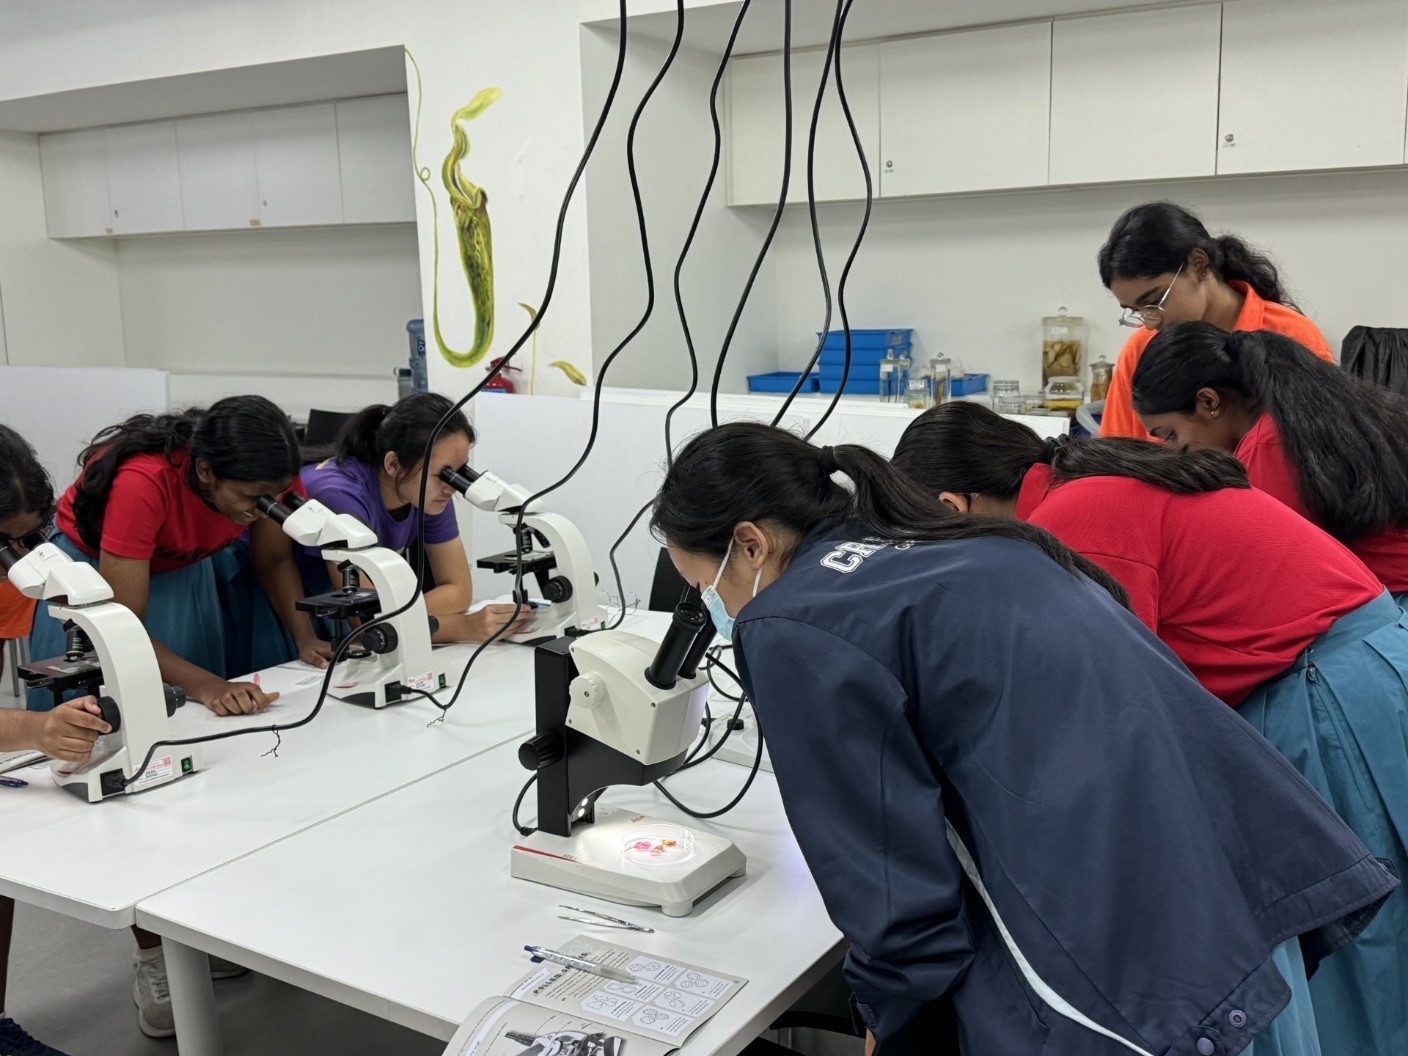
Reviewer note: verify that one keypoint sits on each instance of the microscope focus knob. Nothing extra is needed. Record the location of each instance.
(541, 751)
(557, 589)
(109, 713)
(587, 691)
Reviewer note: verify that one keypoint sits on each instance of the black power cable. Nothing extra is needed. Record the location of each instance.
(679, 295)
(777, 213)
(634, 332)
(340, 652)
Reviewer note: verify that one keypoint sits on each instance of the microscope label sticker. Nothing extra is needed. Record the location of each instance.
(161, 769)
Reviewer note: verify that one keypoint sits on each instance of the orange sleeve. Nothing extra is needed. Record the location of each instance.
(16, 612)
(1119, 418)
(1309, 335)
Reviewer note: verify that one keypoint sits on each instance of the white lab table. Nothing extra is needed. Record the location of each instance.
(405, 908)
(95, 862)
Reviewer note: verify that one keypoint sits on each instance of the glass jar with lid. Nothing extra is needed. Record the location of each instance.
(1002, 390)
(1101, 371)
(1064, 394)
(1062, 345)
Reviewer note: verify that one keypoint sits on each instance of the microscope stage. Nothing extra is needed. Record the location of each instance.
(631, 859)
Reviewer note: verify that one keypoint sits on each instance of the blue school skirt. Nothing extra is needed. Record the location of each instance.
(183, 612)
(1293, 1032)
(1340, 715)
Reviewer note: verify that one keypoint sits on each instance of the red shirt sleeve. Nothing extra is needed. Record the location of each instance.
(137, 507)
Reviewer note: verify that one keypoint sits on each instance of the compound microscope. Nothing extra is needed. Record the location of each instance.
(109, 654)
(389, 662)
(572, 608)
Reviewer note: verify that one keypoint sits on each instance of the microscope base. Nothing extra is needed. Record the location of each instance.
(631, 859)
(370, 684)
(97, 779)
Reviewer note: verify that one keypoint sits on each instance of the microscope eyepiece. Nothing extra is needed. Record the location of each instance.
(272, 508)
(685, 625)
(8, 559)
(700, 646)
(461, 479)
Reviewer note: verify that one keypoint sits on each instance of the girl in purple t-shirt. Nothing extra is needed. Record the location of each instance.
(374, 474)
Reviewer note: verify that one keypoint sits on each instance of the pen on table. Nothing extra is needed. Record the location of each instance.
(542, 953)
(13, 782)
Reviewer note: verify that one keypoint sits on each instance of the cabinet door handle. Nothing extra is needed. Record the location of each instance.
(1228, 139)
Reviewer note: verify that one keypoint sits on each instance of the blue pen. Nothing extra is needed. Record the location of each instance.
(13, 782)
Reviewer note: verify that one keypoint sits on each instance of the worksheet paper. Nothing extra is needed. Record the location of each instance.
(557, 1011)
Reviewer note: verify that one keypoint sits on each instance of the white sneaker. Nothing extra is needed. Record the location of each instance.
(152, 994)
(223, 969)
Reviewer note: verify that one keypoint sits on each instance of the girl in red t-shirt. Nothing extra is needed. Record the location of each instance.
(1331, 446)
(1267, 611)
(158, 495)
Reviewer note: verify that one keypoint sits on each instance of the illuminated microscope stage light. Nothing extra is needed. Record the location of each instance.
(616, 859)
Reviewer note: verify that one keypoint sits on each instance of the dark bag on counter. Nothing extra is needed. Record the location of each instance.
(1378, 354)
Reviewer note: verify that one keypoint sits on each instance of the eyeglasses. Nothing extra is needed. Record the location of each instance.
(1151, 315)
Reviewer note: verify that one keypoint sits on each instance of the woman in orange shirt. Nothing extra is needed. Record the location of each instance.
(1164, 267)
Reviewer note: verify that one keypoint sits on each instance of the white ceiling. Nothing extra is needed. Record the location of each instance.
(380, 71)
(707, 23)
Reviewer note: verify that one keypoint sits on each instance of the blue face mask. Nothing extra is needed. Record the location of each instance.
(723, 622)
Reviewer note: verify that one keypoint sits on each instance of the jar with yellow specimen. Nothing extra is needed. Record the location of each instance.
(1062, 345)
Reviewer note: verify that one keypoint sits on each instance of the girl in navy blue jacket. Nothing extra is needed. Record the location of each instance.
(1021, 810)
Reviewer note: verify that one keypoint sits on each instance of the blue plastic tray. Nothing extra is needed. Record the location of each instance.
(967, 384)
(865, 357)
(869, 338)
(854, 386)
(780, 381)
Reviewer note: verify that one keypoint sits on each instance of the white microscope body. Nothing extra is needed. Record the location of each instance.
(614, 708)
(129, 683)
(398, 653)
(571, 593)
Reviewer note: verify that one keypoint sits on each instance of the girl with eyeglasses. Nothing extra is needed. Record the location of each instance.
(1028, 820)
(1164, 267)
(1268, 612)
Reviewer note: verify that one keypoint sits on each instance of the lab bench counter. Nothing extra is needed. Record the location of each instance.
(95, 862)
(404, 907)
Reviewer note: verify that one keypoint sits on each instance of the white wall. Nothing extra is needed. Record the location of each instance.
(317, 301)
(524, 148)
(296, 395)
(975, 275)
(673, 149)
(58, 300)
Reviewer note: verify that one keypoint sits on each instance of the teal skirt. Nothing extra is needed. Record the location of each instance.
(1340, 715)
(212, 613)
(1293, 1032)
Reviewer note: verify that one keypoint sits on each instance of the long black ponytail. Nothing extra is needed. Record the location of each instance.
(1347, 437)
(747, 471)
(966, 448)
(242, 438)
(1156, 238)
(24, 484)
(402, 429)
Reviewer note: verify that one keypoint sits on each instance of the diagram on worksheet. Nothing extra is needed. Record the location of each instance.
(564, 1011)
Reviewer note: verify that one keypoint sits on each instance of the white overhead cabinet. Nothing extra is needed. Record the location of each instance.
(74, 170)
(1312, 84)
(374, 152)
(965, 111)
(756, 123)
(1134, 95)
(219, 175)
(144, 185)
(296, 153)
